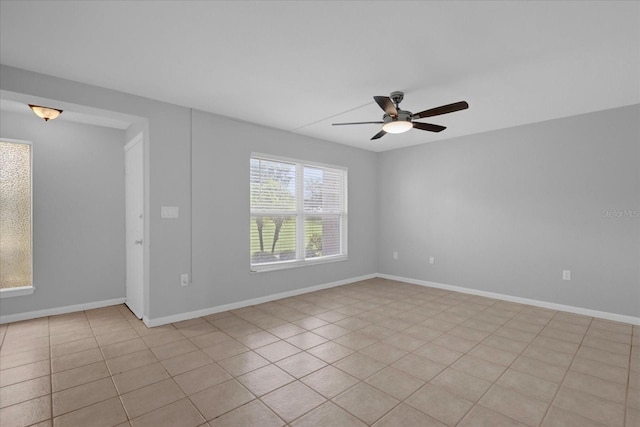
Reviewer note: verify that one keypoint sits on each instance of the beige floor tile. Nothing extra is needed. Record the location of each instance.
(383, 352)
(355, 341)
(202, 378)
(395, 382)
(210, 339)
(607, 390)
(23, 391)
(151, 397)
(186, 362)
(404, 342)
(603, 344)
(24, 358)
(78, 376)
(514, 405)
(359, 365)
(130, 361)
(461, 384)
(221, 399)
(24, 373)
(162, 338)
(27, 413)
(330, 351)
(439, 404)
(422, 333)
(75, 360)
(83, 395)
(331, 331)
(300, 364)
(118, 336)
(277, 351)
(328, 414)
(615, 359)
(306, 340)
(329, 381)
(562, 335)
(506, 344)
(259, 339)
(173, 349)
(376, 331)
(73, 347)
(633, 417)
(589, 406)
(438, 353)
(470, 334)
(103, 414)
(225, 350)
(121, 348)
(419, 367)
(199, 329)
(243, 363)
(455, 343)
(266, 379)
(181, 413)
(600, 370)
(292, 400)
(528, 385)
(539, 369)
(478, 368)
(286, 331)
(480, 416)
(514, 334)
(352, 323)
(254, 413)
(140, 377)
(557, 417)
(366, 402)
(11, 346)
(404, 415)
(310, 322)
(493, 355)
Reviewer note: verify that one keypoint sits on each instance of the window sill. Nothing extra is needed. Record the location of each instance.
(261, 268)
(16, 292)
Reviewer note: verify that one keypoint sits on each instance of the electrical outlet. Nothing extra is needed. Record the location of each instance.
(184, 279)
(566, 274)
(432, 260)
(395, 255)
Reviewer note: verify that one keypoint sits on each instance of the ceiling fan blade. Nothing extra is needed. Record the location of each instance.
(444, 109)
(378, 135)
(356, 123)
(387, 105)
(428, 126)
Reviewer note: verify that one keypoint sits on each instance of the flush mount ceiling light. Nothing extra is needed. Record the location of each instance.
(45, 113)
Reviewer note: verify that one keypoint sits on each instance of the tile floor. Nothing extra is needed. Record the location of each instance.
(377, 352)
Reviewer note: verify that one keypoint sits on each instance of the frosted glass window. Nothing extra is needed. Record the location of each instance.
(15, 215)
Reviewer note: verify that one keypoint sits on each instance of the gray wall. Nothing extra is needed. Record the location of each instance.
(78, 212)
(221, 233)
(507, 211)
(221, 151)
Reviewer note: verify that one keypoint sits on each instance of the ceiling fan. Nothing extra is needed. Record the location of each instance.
(396, 120)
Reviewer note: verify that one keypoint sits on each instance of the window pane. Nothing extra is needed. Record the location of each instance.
(15, 215)
(273, 186)
(273, 239)
(323, 190)
(322, 236)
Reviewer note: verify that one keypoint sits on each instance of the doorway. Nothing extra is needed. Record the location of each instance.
(134, 220)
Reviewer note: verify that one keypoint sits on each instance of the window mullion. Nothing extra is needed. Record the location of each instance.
(300, 253)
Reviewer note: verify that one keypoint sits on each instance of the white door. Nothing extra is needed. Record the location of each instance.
(134, 203)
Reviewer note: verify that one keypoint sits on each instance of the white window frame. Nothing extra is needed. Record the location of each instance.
(23, 290)
(300, 215)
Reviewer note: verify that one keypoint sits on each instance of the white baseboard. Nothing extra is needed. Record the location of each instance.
(544, 304)
(59, 310)
(246, 303)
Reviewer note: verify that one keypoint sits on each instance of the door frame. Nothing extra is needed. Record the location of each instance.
(139, 139)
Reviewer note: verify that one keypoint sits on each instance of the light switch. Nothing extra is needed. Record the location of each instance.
(169, 212)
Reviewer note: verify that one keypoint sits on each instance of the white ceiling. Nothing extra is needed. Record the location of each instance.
(302, 65)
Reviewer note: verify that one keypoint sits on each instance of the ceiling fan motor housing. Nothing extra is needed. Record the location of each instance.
(403, 116)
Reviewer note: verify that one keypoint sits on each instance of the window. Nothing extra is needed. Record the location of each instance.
(298, 213)
(15, 218)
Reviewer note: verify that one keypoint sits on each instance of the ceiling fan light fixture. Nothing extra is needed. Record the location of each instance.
(397, 126)
(45, 113)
